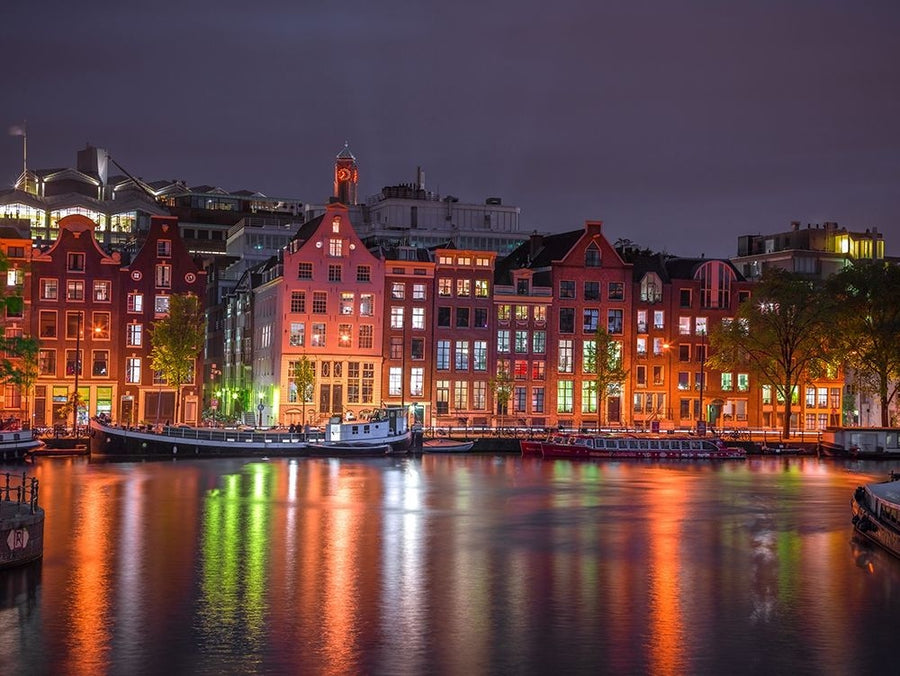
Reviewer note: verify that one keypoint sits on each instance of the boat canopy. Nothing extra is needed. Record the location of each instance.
(888, 491)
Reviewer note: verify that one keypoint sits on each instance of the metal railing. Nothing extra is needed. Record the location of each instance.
(25, 492)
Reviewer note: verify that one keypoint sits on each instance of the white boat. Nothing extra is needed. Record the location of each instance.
(446, 446)
(15, 444)
(876, 513)
(385, 430)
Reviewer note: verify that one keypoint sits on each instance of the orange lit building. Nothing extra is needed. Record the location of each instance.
(92, 315)
(464, 360)
(16, 313)
(320, 298)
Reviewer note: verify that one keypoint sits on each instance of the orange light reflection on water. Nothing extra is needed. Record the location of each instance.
(665, 509)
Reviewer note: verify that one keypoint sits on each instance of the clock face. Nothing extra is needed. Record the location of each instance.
(343, 174)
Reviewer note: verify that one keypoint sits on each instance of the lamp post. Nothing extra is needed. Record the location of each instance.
(77, 369)
(670, 381)
(702, 421)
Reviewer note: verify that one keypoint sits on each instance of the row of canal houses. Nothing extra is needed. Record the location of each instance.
(401, 325)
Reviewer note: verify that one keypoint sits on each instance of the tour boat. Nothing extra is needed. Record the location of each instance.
(876, 513)
(16, 444)
(385, 430)
(667, 447)
(530, 446)
(114, 442)
(446, 446)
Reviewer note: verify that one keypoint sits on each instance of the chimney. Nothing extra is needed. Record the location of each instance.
(420, 178)
(795, 225)
(535, 244)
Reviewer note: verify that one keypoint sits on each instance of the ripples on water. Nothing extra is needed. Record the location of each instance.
(456, 565)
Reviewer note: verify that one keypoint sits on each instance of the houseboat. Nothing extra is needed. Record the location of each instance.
(869, 443)
(17, 444)
(876, 513)
(667, 447)
(385, 430)
(112, 442)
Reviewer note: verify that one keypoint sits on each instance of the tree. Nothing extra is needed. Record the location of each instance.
(781, 336)
(866, 329)
(603, 361)
(20, 366)
(177, 340)
(303, 374)
(501, 385)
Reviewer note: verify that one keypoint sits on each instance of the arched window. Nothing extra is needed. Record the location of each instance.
(715, 284)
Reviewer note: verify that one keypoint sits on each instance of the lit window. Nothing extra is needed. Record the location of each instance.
(161, 305)
(335, 247)
(74, 290)
(164, 276)
(133, 370)
(134, 335)
(49, 289)
(164, 248)
(135, 302)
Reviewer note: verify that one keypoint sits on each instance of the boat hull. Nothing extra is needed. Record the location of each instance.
(588, 447)
(446, 446)
(117, 443)
(869, 525)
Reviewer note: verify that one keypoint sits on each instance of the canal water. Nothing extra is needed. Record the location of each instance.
(476, 564)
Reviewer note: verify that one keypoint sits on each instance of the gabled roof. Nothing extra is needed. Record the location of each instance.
(537, 253)
(308, 229)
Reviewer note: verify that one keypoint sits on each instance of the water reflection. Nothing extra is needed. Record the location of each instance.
(474, 564)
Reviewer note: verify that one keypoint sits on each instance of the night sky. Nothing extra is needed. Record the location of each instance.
(681, 124)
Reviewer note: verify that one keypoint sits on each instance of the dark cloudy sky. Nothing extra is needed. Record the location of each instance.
(679, 123)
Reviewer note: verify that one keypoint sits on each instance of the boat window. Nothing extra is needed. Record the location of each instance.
(685, 445)
(664, 444)
(644, 444)
(623, 444)
(696, 445)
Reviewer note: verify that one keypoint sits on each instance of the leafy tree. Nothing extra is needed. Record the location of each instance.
(502, 386)
(866, 329)
(177, 340)
(304, 376)
(603, 361)
(20, 366)
(781, 336)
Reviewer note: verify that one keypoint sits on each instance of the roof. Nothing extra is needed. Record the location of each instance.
(345, 154)
(888, 491)
(537, 253)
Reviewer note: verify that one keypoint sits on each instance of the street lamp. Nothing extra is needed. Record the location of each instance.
(702, 422)
(670, 380)
(77, 369)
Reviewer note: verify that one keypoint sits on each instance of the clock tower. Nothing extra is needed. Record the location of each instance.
(346, 176)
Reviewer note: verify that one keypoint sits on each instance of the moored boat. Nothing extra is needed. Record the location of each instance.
(446, 446)
(876, 513)
(590, 446)
(16, 444)
(385, 430)
(112, 442)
